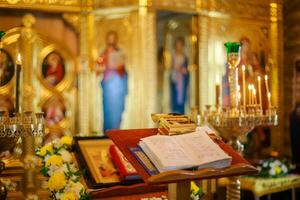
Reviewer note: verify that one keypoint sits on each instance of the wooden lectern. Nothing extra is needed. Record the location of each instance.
(178, 180)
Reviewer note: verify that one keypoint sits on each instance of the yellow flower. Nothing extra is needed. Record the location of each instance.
(278, 170)
(68, 196)
(194, 187)
(54, 160)
(45, 149)
(57, 181)
(67, 140)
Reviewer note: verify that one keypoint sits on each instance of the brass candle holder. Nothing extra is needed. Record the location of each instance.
(12, 128)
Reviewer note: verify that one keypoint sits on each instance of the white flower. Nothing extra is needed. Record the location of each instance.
(284, 168)
(265, 164)
(52, 169)
(56, 143)
(277, 162)
(272, 171)
(47, 157)
(75, 187)
(63, 169)
(73, 168)
(58, 195)
(66, 156)
(259, 168)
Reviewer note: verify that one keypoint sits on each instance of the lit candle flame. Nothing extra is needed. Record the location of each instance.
(19, 59)
(243, 68)
(258, 78)
(266, 77)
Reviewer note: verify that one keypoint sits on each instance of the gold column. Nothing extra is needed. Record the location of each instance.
(147, 62)
(276, 39)
(86, 38)
(203, 60)
(27, 44)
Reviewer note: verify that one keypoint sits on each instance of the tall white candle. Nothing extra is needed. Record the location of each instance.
(244, 86)
(249, 94)
(218, 90)
(259, 92)
(236, 84)
(267, 84)
(254, 96)
(239, 98)
(269, 100)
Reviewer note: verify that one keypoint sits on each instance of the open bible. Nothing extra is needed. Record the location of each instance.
(192, 150)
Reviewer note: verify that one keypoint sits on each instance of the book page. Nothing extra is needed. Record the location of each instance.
(168, 151)
(201, 148)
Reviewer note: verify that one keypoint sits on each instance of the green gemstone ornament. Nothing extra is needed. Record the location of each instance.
(2, 33)
(232, 47)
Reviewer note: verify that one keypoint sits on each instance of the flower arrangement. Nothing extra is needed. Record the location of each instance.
(274, 168)
(64, 176)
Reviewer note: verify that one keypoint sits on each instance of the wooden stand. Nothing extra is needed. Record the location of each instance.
(179, 180)
(179, 191)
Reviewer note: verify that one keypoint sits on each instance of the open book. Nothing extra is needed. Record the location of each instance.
(192, 150)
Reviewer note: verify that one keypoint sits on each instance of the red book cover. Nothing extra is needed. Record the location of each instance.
(126, 170)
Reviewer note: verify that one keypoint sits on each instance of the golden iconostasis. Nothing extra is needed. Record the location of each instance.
(116, 62)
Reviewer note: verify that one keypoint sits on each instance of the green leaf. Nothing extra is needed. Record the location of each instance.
(44, 171)
(84, 195)
(2, 33)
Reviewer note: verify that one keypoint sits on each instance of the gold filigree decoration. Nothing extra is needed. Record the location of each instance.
(28, 20)
(45, 2)
(12, 1)
(240, 8)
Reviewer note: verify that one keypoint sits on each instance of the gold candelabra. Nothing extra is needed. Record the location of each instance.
(238, 118)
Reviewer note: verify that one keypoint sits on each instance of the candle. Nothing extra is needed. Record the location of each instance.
(18, 71)
(269, 100)
(259, 92)
(236, 84)
(218, 90)
(254, 96)
(244, 86)
(239, 98)
(250, 93)
(267, 84)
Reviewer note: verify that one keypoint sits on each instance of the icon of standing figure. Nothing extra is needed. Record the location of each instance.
(179, 77)
(111, 63)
